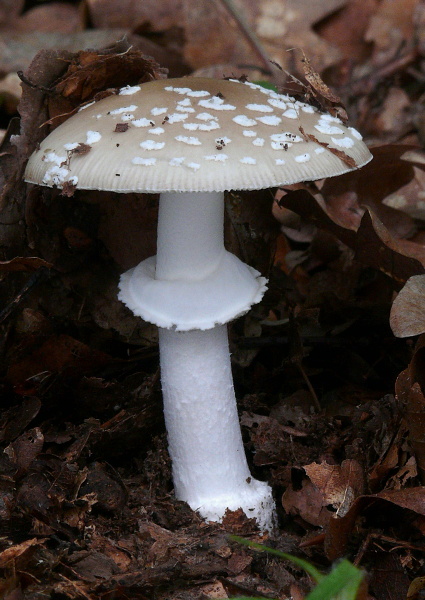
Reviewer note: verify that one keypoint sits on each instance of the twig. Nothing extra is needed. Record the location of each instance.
(308, 383)
(235, 588)
(248, 33)
(38, 277)
(367, 83)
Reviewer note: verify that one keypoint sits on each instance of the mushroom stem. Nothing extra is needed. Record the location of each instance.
(210, 470)
(191, 225)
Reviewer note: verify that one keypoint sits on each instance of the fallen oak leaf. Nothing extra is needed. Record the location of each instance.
(307, 503)
(373, 243)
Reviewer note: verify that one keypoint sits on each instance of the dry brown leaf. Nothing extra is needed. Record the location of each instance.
(18, 50)
(103, 482)
(338, 484)
(373, 243)
(57, 353)
(393, 117)
(389, 469)
(213, 590)
(26, 448)
(348, 160)
(409, 198)
(391, 168)
(19, 417)
(237, 522)
(95, 566)
(375, 246)
(23, 263)
(339, 530)
(408, 310)
(307, 503)
(326, 98)
(317, 83)
(238, 562)
(328, 485)
(10, 555)
(90, 72)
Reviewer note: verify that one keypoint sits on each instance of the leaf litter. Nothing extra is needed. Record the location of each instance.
(331, 402)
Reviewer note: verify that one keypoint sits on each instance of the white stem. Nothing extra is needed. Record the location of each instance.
(192, 282)
(190, 235)
(190, 290)
(210, 471)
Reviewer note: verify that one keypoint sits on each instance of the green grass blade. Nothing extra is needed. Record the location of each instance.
(303, 564)
(342, 583)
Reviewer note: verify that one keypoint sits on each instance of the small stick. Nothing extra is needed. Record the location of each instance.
(38, 277)
(252, 39)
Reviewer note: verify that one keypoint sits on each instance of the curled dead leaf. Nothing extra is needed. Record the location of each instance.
(316, 81)
(339, 530)
(23, 263)
(377, 247)
(321, 92)
(348, 160)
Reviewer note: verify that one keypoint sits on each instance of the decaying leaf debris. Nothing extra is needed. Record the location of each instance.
(331, 401)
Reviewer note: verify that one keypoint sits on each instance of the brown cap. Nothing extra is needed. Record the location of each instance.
(195, 134)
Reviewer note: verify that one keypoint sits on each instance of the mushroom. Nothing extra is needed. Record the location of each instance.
(191, 139)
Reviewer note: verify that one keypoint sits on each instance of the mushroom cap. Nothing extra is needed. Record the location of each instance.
(192, 135)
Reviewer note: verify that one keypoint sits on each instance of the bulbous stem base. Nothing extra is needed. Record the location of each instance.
(210, 470)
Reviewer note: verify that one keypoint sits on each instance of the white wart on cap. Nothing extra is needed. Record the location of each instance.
(195, 134)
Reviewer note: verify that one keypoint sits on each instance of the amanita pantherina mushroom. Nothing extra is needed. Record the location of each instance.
(191, 139)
